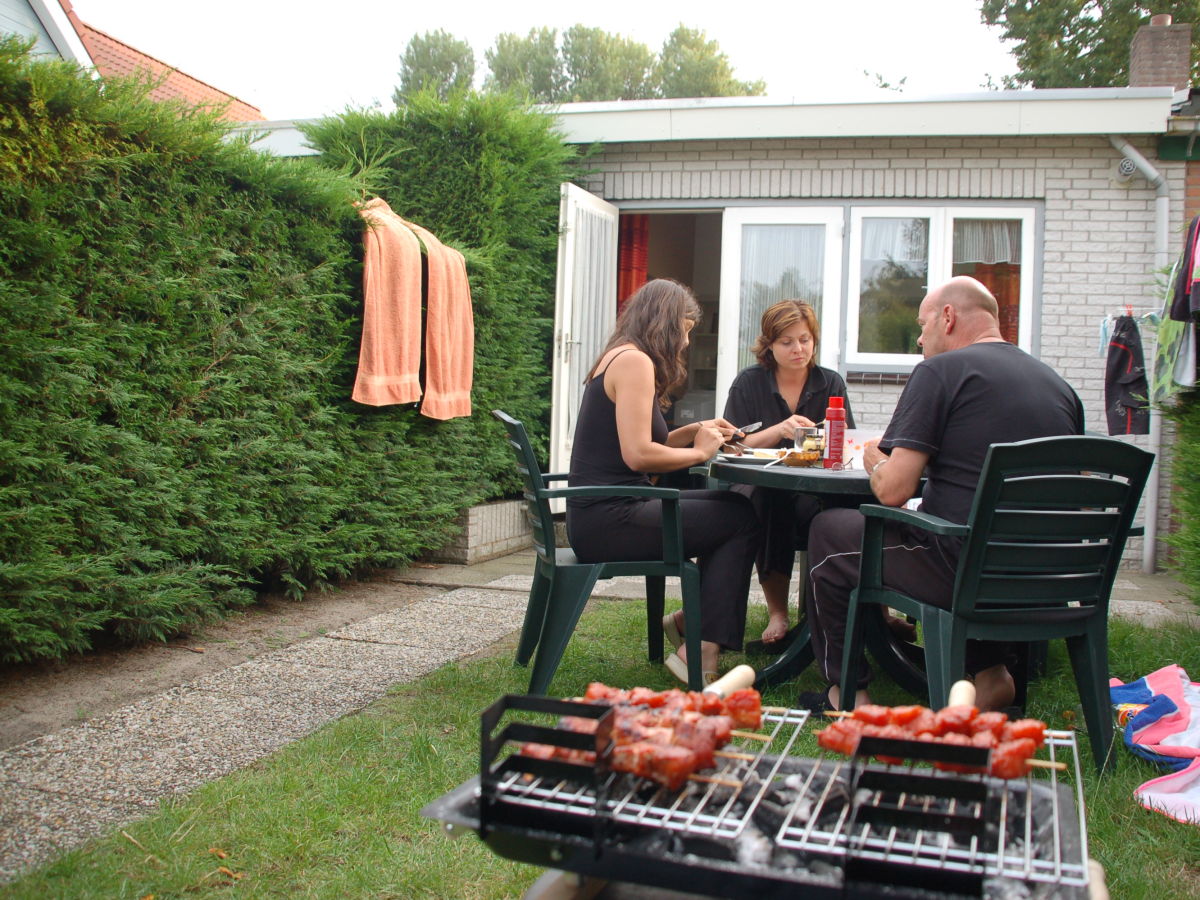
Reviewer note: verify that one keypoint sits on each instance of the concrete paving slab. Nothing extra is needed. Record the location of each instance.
(36, 825)
(372, 661)
(424, 624)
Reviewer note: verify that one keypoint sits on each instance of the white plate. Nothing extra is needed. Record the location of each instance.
(746, 459)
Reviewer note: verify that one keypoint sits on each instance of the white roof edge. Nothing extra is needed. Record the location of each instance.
(58, 25)
(1143, 110)
(280, 137)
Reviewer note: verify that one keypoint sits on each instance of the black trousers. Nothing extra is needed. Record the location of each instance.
(913, 563)
(783, 518)
(720, 530)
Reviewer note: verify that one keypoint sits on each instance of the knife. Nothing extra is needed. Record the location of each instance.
(736, 440)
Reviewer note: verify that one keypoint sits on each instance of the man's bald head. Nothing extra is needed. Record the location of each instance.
(957, 313)
(968, 296)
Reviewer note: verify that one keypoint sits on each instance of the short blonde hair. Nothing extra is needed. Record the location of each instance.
(777, 319)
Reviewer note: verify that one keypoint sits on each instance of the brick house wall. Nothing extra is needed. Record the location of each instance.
(1097, 246)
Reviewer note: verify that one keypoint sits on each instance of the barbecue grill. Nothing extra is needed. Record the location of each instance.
(771, 823)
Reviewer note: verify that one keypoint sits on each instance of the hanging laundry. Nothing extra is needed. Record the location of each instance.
(389, 358)
(1185, 304)
(1126, 390)
(449, 331)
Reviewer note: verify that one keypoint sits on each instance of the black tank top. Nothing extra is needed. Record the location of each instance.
(596, 451)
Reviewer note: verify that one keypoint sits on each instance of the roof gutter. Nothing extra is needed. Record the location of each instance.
(1162, 218)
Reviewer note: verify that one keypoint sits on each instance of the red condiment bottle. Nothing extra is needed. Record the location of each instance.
(835, 432)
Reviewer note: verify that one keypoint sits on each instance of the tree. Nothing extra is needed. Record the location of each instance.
(438, 61)
(603, 66)
(528, 65)
(1078, 43)
(690, 65)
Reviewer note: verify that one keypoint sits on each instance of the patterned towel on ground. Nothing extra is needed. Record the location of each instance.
(1167, 732)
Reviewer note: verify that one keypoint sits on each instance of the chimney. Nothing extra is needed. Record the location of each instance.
(1161, 54)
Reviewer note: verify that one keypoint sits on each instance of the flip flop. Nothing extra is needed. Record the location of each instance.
(679, 669)
(672, 632)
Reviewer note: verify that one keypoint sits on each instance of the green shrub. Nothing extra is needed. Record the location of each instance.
(1185, 413)
(178, 335)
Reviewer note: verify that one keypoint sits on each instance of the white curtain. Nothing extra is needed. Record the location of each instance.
(987, 241)
(899, 240)
(779, 262)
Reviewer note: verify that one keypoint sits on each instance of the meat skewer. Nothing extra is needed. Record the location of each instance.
(670, 735)
(1011, 743)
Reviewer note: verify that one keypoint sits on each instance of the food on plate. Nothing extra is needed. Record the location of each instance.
(802, 458)
(1012, 743)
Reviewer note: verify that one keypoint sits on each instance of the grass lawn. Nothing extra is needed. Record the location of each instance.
(336, 815)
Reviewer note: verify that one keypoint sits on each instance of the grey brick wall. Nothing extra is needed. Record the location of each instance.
(1098, 243)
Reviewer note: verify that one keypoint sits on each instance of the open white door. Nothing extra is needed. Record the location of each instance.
(585, 309)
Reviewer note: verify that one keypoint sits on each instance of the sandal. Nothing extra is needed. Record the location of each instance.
(671, 632)
(679, 669)
(815, 702)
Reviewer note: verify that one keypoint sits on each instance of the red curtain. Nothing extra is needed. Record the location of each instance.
(1004, 281)
(632, 238)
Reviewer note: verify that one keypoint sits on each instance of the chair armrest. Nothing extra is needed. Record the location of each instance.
(913, 517)
(614, 490)
(672, 523)
(556, 476)
(870, 573)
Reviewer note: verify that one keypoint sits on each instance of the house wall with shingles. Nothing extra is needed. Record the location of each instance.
(1096, 246)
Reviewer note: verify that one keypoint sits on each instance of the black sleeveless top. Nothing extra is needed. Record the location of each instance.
(596, 451)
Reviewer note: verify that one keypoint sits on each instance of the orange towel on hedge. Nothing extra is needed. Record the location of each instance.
(449, 331)
(389, 359)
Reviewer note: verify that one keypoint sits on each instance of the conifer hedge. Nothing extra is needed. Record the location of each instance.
(1185, 539)
(179, 320)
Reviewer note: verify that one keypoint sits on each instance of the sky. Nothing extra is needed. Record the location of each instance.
(299, 60)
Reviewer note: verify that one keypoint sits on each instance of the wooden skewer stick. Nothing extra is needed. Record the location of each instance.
(775, 709)
(709, 779)
(1057, 766)
(752, 735)
(727, 754)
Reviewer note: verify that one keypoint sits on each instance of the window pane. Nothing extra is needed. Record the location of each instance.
(895, 273)
(779, 262)
(990, 251)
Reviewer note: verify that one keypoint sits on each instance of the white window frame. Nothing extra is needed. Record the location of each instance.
(833, 219)
(941, 261)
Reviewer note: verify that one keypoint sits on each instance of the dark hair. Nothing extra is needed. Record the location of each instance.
(652, 320)
(778, 318)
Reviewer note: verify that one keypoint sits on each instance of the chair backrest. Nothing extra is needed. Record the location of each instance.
(1049, 525)
(537, 506)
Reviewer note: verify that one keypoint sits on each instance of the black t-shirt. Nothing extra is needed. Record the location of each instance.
(754, 397)
(958, 403)
(596, 449)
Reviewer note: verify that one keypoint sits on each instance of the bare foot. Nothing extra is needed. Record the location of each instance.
(902, 628)
(994, 688)
(776, 628)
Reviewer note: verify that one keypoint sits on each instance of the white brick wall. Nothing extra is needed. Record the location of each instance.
(1098, 247)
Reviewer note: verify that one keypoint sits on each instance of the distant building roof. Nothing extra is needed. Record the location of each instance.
(116, 59)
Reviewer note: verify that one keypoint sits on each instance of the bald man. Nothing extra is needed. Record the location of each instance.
(973, 389)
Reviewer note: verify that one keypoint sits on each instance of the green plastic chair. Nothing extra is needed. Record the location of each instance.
(1040, 552)
(562, 584)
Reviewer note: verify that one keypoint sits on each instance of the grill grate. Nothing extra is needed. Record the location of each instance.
(887, 820)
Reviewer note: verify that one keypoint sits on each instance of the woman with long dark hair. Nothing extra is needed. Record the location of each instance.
(621, 438)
